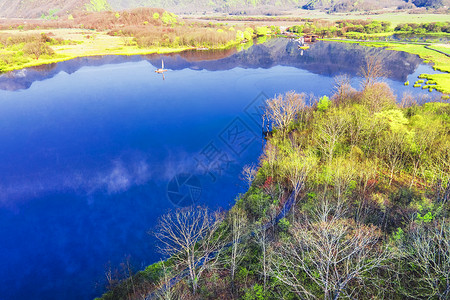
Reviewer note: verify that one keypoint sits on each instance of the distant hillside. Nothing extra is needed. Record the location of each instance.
(367, 5)
(36, 8)
(234, 6)
(53, 8)
(210, 5)
(431, 3)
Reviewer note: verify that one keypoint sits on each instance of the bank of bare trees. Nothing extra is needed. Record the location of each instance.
(327, 252)
(190, 237)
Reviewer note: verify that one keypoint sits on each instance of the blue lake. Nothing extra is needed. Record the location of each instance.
(93, 150)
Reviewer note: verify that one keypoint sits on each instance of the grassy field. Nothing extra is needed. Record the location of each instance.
(80, 43)
(394, 17)
(441, 62)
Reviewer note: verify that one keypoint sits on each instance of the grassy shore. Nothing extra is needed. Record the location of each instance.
(81, 43)
(441, 62)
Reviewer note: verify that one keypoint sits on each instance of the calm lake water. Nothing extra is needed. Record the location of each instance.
(93, 150)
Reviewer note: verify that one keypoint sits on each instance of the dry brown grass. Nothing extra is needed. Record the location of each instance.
(140, 25)
(106, 20)
(194, 36)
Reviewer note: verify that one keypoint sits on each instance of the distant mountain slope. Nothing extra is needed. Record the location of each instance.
(36, 8)
(33, 9)
(351, 5)
(199, 5)
(235, 5)
(431, 3)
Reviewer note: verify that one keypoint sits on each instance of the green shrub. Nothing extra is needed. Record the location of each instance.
(255, 293)
(324, 103)
(239, 36)
(256, 202)
(262, 31)
(168, 18)
(284, 224)
(248, 35)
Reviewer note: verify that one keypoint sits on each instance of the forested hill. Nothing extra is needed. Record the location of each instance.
(273, 6)
(35, 9)
(63, 8)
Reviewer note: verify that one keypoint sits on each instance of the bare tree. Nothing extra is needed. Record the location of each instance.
(238, 220)
(190, 237)
(249, 174)
(342, 172)
(327, 252)
(392, 148)
(261, 234)
(270, 156)
(366, 172)
(122, 276)
(129, 274)
(342, 90)
(262, 240)
(422, 144)
(407, 100)
(429, 254)
(165, 288)
(441, 172)
(296, 166)
(372, 71)
(283, 110)
(329, 133)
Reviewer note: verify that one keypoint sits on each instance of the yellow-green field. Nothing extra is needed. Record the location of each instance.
(440, 61)
(394, 18)
(83, 43)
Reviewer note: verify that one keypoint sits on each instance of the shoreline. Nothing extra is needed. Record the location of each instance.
(85, 43)
(38, 63)
(43, 62)
(439, 59)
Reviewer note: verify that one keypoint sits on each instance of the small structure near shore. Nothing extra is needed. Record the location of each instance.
(310, 38)
(161, 70)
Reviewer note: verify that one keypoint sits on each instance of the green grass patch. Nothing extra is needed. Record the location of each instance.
(394, 18)
(440, 61)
